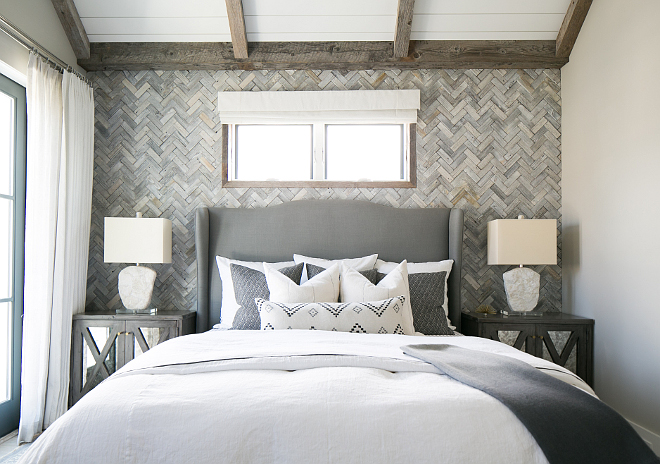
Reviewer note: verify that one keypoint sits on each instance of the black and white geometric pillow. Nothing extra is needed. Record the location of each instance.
(384, 317)
(250, 284)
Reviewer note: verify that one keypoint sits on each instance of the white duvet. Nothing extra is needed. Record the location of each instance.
(291, 397)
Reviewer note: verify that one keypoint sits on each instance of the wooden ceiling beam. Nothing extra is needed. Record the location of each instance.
(404, 18)
(73, 27)
(570, 28)
(438, 54)
(237, 28)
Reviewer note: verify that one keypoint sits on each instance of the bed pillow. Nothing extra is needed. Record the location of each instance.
(359, 264)
(323, 287)
(372, 274)
(386, 316)
(229, 304)
(354, 287)
(428, 293)
(250, 284)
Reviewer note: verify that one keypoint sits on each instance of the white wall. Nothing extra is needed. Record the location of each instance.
(611, 199)
(38, 19)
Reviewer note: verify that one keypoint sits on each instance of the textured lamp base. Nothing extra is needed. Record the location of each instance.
(136, 285)
(522, 289)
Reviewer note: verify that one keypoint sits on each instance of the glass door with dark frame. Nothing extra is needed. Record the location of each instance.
(12, 227)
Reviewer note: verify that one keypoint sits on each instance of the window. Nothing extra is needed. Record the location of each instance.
(12, 225)
(272, 152)
(319, 139)
(318, 152)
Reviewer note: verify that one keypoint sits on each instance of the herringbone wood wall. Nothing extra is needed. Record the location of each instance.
(488, 141)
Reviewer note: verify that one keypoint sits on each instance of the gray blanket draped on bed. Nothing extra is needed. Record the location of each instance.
(569, 425)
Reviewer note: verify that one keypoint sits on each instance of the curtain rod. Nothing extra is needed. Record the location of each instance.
(28, 42)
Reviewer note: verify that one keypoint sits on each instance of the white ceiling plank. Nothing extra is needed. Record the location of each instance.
(494, 35)
(149, 8)
(487, 22)
(323, 37)
(491, 6)
(161, 38)
(319, 36)
(315, 24)
(156, 26)
(319, 8)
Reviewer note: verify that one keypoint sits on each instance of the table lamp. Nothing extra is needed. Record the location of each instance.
(137, 240)
(522, 241)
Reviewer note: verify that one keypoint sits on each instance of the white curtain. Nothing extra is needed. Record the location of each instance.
(60, 153)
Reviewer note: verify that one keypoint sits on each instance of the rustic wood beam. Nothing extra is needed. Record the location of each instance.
(73, 27)
(404, 17)
(237, 28)
(438, 54)
(570, 28)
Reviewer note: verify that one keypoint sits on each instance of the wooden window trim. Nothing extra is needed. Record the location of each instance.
(412, 169)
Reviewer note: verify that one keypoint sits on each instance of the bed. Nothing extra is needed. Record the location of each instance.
(239, 396)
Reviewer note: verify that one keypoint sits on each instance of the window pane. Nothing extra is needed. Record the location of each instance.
(364, 152)
(6, 144)
(5, 350)
(6, 247)
(273, 152)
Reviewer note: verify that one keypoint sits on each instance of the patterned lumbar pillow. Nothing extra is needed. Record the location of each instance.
(384, 317)
(372, 274)
(323, 287)
(250, 284)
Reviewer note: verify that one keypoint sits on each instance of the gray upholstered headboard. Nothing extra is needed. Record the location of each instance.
(328, 229)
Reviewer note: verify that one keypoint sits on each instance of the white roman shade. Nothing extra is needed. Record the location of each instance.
(350, 106)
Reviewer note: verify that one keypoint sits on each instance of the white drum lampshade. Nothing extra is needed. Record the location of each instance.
(518, 242)
(137, 240)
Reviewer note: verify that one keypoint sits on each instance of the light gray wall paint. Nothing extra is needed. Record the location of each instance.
(611, 198)
(488, 141)
(38, 19)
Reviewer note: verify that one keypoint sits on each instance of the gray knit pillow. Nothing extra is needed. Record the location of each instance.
(427, 295)
(250, 284)
(372, 275)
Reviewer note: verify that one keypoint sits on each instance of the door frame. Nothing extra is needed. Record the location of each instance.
(10, 410)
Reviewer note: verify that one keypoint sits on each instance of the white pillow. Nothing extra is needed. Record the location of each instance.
(359, 317)
(355, 287)
(229, 304)
(359, 264)
(323, 287)
(385, 267)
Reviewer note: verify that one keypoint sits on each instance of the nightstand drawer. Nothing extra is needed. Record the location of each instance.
(104, 341)
(564, 339)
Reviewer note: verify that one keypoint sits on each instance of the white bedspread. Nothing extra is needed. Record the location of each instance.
(291, 396)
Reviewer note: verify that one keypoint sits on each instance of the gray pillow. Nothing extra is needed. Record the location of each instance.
(372, 275)
(427, 295)
(250, 284)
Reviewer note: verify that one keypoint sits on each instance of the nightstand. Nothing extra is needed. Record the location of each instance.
(564, 339)
(103, 341)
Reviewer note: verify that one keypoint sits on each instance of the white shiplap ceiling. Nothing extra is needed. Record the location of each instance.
(319, 20)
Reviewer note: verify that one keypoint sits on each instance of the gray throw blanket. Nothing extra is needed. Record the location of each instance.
(568, 424)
